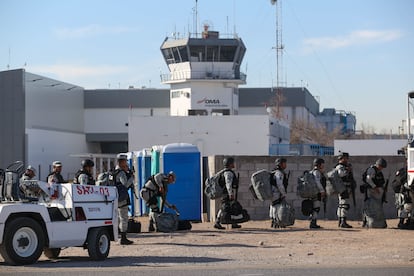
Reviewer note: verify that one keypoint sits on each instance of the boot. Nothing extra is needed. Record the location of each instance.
(314, 225)
(217, 225)
(343, 224)
(409, 223)
(235, 226)
(364, 223)
(124, 240)
(151, 226)
(401, 224)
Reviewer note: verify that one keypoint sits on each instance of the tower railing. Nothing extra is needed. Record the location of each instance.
(202, 75)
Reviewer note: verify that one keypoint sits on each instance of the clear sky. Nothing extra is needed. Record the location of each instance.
(354, 55)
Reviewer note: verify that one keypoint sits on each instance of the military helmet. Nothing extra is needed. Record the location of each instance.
(228, 161)
(381, 162)
(31, 168)
(87, 163)
(121, 156)
(343, 155)
(318, 161)
(171, 173)
(279, 161)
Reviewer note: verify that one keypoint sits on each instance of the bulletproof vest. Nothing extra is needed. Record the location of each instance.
(285, 178)
(323, 180)
(378, 179)
(58, 176)
(91, 181)
(114, 175)
(235, 183)
(347, 178)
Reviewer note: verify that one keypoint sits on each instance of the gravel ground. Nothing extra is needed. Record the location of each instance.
(254, 245)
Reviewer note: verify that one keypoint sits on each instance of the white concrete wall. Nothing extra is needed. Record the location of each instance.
(205, 95)
(247, 135)
(46, 146)
(379, 147)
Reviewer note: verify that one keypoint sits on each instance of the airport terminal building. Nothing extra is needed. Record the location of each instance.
(44, 119)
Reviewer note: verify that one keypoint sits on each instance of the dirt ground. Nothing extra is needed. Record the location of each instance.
(256, 244)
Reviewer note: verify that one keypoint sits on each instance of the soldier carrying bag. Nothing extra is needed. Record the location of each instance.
(334, 183)
(214, 186)
(261, 185)
(307, 187)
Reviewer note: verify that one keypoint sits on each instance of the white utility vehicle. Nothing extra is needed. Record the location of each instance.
(46, 218)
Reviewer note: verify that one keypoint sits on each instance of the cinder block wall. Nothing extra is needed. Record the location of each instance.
(247, 165)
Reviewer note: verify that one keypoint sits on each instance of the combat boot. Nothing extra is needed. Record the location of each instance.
(409, 224)
(235, 226)
(401, 224)
(217, 225)
(343, 224)
(151, 226)
(124, 240)
(314, 225)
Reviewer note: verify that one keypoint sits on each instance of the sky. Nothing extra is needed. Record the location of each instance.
(354, 55)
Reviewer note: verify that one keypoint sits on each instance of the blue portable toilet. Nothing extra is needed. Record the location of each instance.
(185, 193)
(144, 172)
(131, 211)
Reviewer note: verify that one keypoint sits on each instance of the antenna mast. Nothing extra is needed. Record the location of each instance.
(279, 55)
(196, 19)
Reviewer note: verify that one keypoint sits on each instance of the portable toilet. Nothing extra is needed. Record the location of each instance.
(185, 193)
(143, 173)
(155, 159)
(131, 211)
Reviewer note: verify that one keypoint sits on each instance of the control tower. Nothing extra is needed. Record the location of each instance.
(204, 74)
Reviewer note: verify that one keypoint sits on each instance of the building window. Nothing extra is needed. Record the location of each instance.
(183, 53)
(175, 94)
(227, 53)
(197, 112)
(220, 112)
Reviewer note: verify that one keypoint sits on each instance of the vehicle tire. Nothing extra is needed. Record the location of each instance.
(23, 241)
(51, 253)
(99, 244)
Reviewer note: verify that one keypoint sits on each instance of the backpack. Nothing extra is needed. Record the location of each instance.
(399, 180)
(334, 183)
(214, 186)
(261, 184)
(165, 222)
(233, 212)
(150, 192)
(108, 179)
(373, 214)
(307, 207)
(104, 179)
(307, 187)
(283, 214)
(363, 187)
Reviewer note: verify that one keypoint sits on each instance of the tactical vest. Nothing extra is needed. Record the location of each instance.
(91, 181)
(285, 179)
(348, 178)
(378, 179)
(234, 184)
(323, 178)
(114, 174)
(58, 176)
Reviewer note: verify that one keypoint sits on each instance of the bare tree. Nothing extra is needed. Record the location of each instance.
(303, 132)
